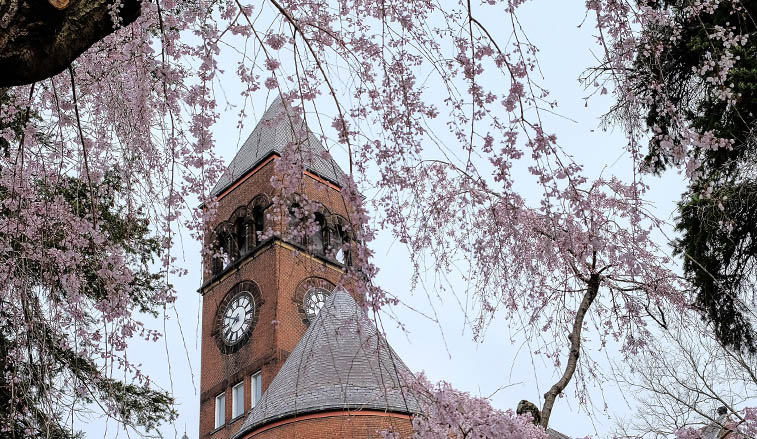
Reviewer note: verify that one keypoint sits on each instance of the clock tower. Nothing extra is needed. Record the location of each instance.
(262, 293)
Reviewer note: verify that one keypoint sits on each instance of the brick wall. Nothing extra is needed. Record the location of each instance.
(336, 425)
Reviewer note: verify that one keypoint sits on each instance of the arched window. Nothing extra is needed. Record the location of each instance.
(297, 221)
(217, 264)
(309, 229)
(257, 208)
(340, 243)
(242, 235)
(224, 249)
(258, 224)
(320, 236)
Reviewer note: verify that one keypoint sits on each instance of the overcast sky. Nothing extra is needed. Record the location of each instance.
(444, 351)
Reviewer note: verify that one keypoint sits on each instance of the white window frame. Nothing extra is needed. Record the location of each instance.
(237, 400)
(220, 410)
(255, 383)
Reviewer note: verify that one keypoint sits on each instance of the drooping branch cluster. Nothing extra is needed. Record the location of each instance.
(451, 413)
(684, 80)
(68, 304)
(435, 109)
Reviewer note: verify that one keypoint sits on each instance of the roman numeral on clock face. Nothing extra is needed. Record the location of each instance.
(237, 318)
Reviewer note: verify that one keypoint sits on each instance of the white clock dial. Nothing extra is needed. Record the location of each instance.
(237, 318)
(314, 300)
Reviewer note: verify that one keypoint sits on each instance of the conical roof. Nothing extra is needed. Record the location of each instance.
(279, 128)
(341, 363)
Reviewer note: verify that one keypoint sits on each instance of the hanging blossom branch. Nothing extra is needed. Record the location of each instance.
(682, 74)
(448, 412)
(398, 73)
(649, 79)
(583, 248)
(94, 175)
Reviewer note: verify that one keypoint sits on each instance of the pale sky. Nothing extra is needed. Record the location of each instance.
(445, 351)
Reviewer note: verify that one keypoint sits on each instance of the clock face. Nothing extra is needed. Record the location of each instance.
(314, 300)
(237, 318)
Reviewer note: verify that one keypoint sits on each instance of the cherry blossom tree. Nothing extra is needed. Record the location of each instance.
(379, 81)
(450, 413)
(92, 180)
(67, 309)
(684, 78)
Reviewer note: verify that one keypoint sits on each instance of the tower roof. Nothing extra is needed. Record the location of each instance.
(341, 362)
(280, 127)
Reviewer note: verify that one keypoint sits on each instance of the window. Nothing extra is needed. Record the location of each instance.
(341, 245)
(219, 253)
(319, 238)
(237, 400)
(256, 386)
(220, 409)
(243, 233)
(258, 221)
(308, 228)
(225, 249)
(217, 266)
(297, 225)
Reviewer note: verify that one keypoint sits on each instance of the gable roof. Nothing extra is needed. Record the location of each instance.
(341, 363)
(280, 127)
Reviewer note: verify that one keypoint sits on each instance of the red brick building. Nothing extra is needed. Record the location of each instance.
(284, 353)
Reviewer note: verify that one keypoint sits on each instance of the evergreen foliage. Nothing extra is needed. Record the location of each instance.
(43, 376)
(717, 214)
(47, 371)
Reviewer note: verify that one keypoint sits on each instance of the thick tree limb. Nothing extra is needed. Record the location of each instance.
(575, 349)
(38, 40)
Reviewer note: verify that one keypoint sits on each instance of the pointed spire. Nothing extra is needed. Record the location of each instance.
(341, 363)
(279, 127)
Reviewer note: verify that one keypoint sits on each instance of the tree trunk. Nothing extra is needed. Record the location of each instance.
(39, 40)
(575, 350)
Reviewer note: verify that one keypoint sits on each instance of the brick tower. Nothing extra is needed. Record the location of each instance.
(259, 376)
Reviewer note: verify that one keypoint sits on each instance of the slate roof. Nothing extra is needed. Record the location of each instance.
(340, 363)
(279, 128)
(554, 434)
